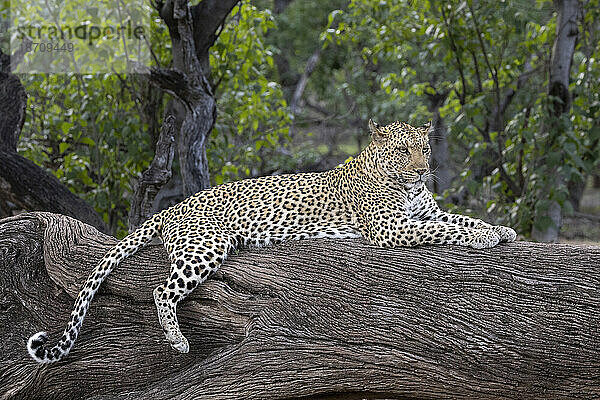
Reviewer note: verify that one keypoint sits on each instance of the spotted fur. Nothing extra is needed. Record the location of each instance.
(380, 195)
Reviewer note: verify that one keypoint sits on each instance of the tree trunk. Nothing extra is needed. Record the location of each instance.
(13, 101)
(439, 144)
(558, 88)
(193, 30)
(313, 319)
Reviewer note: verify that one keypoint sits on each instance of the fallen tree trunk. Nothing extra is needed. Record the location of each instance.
(311, 319)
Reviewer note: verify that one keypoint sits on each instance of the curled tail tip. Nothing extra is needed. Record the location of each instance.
(35, 344)
(37, 350)
(36, 341)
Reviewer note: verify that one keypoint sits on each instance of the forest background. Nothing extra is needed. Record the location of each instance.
(295, 82)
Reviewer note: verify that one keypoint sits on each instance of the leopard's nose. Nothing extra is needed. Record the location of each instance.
(421, 171)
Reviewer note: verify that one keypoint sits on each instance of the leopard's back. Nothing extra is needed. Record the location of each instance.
(273, 208)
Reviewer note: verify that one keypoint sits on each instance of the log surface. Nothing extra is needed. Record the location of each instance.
(314, 319)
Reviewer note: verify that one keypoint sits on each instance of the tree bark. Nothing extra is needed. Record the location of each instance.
(312, 319)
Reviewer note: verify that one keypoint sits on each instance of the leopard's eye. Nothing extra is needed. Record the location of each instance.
(402, 150)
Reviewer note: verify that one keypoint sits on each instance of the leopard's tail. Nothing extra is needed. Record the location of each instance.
(36, 346)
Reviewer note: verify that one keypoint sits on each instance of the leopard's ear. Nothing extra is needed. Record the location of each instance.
(426, 129)
(377, 134)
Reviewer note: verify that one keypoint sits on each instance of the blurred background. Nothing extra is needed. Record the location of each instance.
(296, 81)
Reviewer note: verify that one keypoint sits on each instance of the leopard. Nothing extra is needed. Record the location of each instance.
(381, 196)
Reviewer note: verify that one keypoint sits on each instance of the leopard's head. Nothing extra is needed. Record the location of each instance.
(401, 152)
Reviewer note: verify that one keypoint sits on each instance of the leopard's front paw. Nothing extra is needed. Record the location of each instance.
(484, 238)
(506, 234)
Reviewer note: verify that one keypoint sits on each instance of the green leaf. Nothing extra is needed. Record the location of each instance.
(65, 126)
(63, 147)
(88, 141)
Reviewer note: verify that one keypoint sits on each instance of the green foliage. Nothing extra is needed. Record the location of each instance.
(253, 119)
(383, 59)
(87, 130)
(91, 131)
(298, 36)
(75, 35)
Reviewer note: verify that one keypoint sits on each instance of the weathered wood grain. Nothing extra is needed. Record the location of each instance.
(311, 319)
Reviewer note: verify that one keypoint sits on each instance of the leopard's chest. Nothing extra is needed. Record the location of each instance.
(416, 205)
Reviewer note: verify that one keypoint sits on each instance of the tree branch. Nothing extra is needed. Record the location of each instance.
(29, 187)
(192, 32)
(207, 16)
(174, 82)
(462, 96)
(477, 73)
(156, 176)
(302, 82)
(521, 80)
